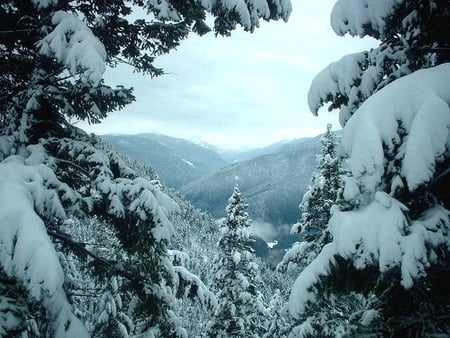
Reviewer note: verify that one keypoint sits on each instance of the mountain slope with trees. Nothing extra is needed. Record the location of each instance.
(272, 183)
(177, 161)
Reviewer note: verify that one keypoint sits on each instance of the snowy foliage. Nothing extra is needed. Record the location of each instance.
(412, 129)
(410, 41)
(195, 242)
(26, 253)
(380, 231)
(278, 320)
(365, 17)
(392, 221)
(132, 239)
(55, 180)
(74, 45)
(323, 191)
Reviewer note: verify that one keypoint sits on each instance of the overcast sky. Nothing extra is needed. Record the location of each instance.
(244, 91)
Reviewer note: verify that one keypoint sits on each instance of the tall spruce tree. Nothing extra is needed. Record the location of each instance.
(316, 204)
(329, 315)
(391, 230)
(322, 193)
(52, 58)
(241, 310)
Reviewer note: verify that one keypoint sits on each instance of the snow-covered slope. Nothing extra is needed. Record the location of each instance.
(176, 161)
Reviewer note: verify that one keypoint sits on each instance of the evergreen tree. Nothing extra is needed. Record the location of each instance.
(278, 317)
(240, 311)
(328, 317)
(390, 230)
(323, 191)
(52, 58)
(316, 204)
(196, 236)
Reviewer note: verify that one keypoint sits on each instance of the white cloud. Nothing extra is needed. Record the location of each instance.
(246, 90)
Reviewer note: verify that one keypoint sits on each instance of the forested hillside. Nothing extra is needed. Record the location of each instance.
(273, 183)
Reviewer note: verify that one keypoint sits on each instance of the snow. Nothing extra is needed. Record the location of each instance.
(10, 314)
(74, 45)
(368, 316)
(358, 17)
(340, 76)
(26, 252)
(250, 11)
(371, 233)
(302, 331)
(301, 292)
(206, 297)
(418, 103)
(273, 244)
(164, 10)
(188, 162)
(376, 234)
(236, 257)
(351, 189)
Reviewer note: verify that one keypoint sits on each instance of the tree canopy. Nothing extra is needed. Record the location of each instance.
(390, 231)
(53, 55)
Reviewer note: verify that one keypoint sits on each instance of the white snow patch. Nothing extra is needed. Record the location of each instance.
(74, 45)
(420, 102)
(301, 292)
(188, 162)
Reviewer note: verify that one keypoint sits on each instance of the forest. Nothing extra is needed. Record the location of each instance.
(93, 245)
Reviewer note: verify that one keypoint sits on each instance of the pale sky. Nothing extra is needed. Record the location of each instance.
(243, 91)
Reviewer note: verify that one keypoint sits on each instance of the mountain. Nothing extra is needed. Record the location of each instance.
(272, 181)
(176, 161)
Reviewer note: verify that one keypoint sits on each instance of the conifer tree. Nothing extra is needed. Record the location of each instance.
(390, 232)
(323, 191)
(52, 58)
(241, 310)
(316, 204)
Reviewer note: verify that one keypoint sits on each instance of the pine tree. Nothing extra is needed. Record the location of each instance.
(52, 58)
(323, 191)
(390, 230)
(316, 204)
(241, 310)
(193, 227)
(328, 317)
(278, 317)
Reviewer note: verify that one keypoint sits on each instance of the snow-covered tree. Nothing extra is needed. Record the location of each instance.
(196, 237)
(329, 316)
(241, 311)
(316, 204)
(322, 192)
(52, 58)
(278, 323)
(411, 34)
(391, 233)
